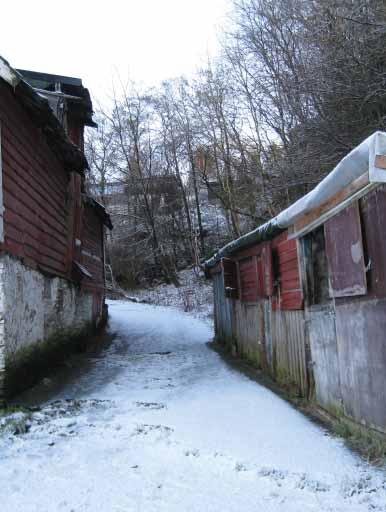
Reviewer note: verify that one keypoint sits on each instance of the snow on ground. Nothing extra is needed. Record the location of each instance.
(156, 421)
(195, 294)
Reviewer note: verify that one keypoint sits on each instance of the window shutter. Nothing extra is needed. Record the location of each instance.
(1, 194)
(373, 210)
(344, 250)
(230, 278)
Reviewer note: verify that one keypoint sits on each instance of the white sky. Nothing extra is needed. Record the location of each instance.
(144, 40)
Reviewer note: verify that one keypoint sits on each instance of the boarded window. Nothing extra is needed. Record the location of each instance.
(230, 278)
(248, 279)
(344, 251)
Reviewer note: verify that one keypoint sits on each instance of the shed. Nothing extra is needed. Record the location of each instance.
(304, 295)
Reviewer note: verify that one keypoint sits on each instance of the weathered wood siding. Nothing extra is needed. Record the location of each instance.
(289, 349)
(373, 213)
(324, 354)
(44, 219)
(92, 258)
(361, 328)
(92, 247)
(344, 249)
(248, 279)
(290, 295)
(250, 330)
(222, 311)
(34, 191)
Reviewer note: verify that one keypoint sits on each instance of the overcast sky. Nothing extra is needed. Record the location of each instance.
(144, 40)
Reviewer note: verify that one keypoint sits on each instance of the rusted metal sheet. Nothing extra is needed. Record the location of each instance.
(361, 328)
(325, 361)
(344, 249)
(288, 348)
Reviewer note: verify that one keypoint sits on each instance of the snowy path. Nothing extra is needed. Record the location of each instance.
(160, 423)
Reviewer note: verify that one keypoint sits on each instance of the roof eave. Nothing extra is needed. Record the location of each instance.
(40, 111)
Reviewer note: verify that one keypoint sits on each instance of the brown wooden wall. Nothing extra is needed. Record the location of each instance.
(92, 248)
(34, 186)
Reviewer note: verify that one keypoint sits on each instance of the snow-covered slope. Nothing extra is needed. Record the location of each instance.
(194, 294)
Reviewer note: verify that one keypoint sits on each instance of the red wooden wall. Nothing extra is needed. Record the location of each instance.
(43, 206)
(248, 279)
(35, 185)
(289, 293)
(257, 273)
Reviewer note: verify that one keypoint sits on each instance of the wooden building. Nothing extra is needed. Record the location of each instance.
(304, 295)
(51, 233)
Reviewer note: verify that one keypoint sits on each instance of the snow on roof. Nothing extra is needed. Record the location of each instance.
(361, 159)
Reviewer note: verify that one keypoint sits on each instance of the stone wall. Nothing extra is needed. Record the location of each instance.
(35, 308)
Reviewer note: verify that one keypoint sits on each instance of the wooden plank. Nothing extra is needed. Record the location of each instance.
(251, 251)
(328, 205)
(290, 256)
(373, 214)
(380, 161)
(292, 300)
(344, 251)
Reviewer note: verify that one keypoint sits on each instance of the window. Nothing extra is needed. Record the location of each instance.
(314, 248)
(230, 278)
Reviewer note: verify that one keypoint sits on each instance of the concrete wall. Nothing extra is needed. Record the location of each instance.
(36, 308)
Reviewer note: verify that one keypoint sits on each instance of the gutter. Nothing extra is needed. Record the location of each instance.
(367, 157)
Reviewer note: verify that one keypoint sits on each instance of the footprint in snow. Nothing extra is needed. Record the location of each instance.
(146, 430)
(150, 405)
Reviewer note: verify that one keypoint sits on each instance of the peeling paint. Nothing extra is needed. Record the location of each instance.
(356, 252)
